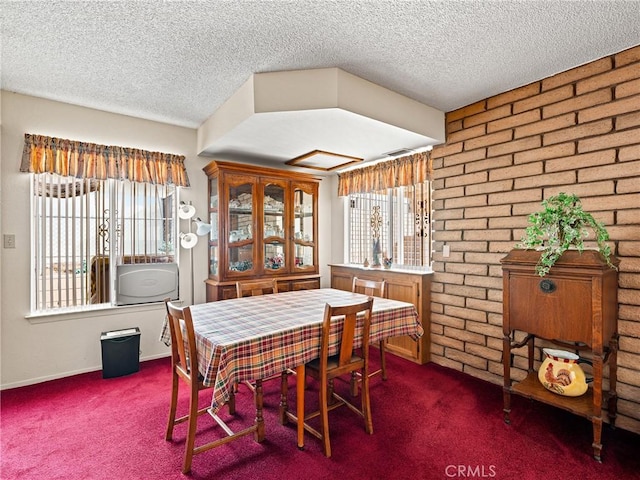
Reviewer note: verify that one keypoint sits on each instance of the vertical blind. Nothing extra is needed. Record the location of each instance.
(94, 207)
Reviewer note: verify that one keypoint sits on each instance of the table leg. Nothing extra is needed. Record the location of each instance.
(300, 384)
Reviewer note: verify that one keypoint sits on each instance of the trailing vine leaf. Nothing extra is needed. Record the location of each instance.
(560, 225)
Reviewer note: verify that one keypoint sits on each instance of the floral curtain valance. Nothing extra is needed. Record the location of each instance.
(400, 172)
(43, 154)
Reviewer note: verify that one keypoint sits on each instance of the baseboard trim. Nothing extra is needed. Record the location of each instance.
(33, 381)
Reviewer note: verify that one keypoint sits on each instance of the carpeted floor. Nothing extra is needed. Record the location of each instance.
(429, 423)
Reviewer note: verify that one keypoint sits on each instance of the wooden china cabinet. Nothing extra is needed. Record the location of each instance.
(264, 223)
(575, 306)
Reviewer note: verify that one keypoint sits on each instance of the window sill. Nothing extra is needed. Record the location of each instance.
(398, 269)
(90, 311)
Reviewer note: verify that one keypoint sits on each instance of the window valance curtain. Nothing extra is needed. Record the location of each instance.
(42, 154)
(400, 172)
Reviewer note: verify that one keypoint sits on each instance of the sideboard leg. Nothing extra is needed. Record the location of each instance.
(597, 438)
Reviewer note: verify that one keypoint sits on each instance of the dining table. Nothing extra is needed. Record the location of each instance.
(252, 338)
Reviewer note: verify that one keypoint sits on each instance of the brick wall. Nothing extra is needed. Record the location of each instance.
(577, 132)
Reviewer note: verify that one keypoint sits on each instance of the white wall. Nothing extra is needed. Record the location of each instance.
(31, 350)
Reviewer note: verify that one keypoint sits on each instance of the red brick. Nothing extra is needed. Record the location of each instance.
(562, 178)
(580, 161)
(514, 121)
(544, 153)
(514, 146)
(467, 133)
(491, 139)
(611, 202)
(487, 116)
(514, 95)
(611, 109)
(467, 224)
(493, 211)
(489, 187)
(619, 75)
(580, 131)
(630, 185)
(466, 111)
(489, 163)
(465, 157)
(577, 103)
(629, 153)
(584, 190)
(542, 99)
(525, 208)
(468, 179)
(504, 234)
(626, 232)
(510, 222)
(448, 172)
(627, 56)
(517, 171)
(468, 200)
(446, 149)
(628, 217)
(551, 124)
(627, 89)
(454, 126)
(629, 169)
(442, 193)
(628, 137)
(518, 196)
(628, 121)
(578, 73)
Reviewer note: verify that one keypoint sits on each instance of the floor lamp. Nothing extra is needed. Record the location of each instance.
(189, 240)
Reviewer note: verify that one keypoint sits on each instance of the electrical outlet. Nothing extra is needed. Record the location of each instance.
(9, 240)
(446, 251)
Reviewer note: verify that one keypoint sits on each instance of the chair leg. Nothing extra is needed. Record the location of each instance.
(353, 388)
(366, 404)
(173, 406)
(284, 391)
(324, 417)
(232, 402)
(383, 362)
(191, 431)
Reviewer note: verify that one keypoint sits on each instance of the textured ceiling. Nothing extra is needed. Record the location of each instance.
(177, 62)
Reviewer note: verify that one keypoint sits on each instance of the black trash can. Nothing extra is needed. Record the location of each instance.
(120, 352)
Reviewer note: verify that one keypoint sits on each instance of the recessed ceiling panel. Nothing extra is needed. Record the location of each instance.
(324, 161)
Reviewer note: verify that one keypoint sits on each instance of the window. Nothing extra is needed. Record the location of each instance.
(391, 223)
(83, 228)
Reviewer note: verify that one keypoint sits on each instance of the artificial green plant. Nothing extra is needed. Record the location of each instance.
(560, 225)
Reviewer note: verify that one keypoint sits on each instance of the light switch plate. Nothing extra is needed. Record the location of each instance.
(9, 240)
(445, 251)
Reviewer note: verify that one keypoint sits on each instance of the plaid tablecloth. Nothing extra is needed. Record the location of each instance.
(255, 337)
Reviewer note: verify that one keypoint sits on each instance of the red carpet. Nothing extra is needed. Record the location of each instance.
(429, 423)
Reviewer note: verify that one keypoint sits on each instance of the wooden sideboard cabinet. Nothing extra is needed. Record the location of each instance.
(264, 223)
(575, 306)
(405, 285)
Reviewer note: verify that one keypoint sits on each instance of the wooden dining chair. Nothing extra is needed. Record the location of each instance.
(326, 368)
(371, 288)
(251, 288)
(256, 287)
(184, 366)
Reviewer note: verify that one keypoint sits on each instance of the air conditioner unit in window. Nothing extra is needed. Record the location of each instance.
(146, 282)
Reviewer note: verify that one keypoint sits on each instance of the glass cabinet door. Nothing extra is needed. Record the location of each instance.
(273, 226)
(304, 235)
(240, 241)
(214, 252)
